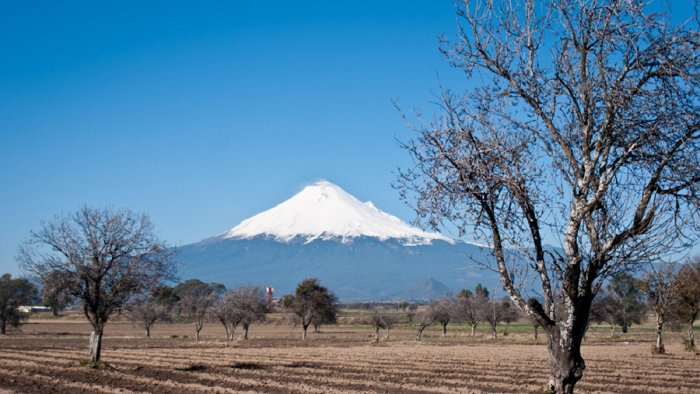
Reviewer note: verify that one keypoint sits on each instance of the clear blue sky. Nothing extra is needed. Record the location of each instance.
(203, 114)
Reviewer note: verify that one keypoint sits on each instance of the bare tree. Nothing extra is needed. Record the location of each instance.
(105, 257)
(225, 311)
(377, 322)
(426, 319)
(252, 305)
(606, 308)
(686, 308)
(146, 313)
(389, 323)
(13, 294)
(441, 310)
(54, 295)
(196, 308)
(510, 315)
(470, 309)
(312, 301)
(494, 313)
(583, 123)
(661, 288)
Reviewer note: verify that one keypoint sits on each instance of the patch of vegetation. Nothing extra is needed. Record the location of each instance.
(93, 364)
(174, 336)
(658, 350)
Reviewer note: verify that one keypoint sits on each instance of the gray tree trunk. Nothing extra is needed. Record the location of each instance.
(612, 331)
(493, 331)
(536, 328)
(95, 345)
(245, 333)
(148, 331)
(444, 329)
(303, 334)
(389, 329)
(473, 329)
(376, 334)
(565, 362)
(420, 332)
(691, 336)
(659, 340)
(3, 325)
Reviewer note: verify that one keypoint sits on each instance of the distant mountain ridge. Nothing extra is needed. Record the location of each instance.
(425, 290)
(359, 251)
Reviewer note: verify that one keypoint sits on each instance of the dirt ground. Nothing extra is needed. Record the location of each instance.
(45, 358)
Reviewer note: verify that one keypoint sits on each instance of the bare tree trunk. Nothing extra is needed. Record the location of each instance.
(196, 335)
(659, 340)
(493, 331)
(376, 334)
(3, 325)
(505, 330)
(95, 344)
(612, 330)
(420, 332)
(536, 328)
(473, 329)
(389, 329)
(245, 333)
(444, 329)
(691, 336)
(54, 311)
(303, 334)
(148, 331)
(565, 362)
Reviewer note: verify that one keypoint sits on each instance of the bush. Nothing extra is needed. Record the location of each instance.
(174, 336)
(658, 350)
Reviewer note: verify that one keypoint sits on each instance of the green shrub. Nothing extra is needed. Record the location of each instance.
(174, 336)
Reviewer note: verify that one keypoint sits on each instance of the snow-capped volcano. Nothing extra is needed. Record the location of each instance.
(324, 210)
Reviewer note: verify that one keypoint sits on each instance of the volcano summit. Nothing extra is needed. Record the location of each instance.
(355, 249)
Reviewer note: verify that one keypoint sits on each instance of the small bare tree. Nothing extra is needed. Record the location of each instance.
(145, 313)
(686, 308)
(377, 322)
(54, 295)
(196, 309)
(510, 315)
(660, 286)
(493, 314)
(470, 309)
(225, 311)
(104, 257)
(441, 310)
(390, 321)
(426, 319)
(251, 304)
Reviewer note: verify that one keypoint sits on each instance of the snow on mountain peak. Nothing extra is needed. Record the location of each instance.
(324, 210)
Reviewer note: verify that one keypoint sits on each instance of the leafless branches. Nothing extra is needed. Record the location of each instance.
(104, 257)
(586, 127)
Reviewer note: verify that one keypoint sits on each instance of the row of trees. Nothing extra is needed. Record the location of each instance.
(471, 308)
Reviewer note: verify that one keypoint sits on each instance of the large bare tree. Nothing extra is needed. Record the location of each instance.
(582, 126)
(104, 257)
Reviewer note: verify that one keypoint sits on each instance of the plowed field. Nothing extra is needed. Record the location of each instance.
(45, 358)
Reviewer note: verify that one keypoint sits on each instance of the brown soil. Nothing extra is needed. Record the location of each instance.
(45, 358)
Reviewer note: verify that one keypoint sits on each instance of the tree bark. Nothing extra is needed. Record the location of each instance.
(303, 334)
(148, 331)
(389, 329)
(691, 336)
(245, 333)
(95, 344)
(376, 334)
(493, 331)
(536, 328)
(505, 330)
(444, 329)
(196, 335)
(565, 361)
(473, 329)
(3, 325)
(420, 332)
(659, 340)
(612, 331)
(54, 311)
